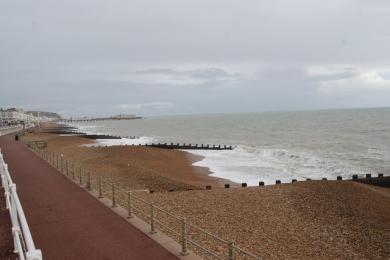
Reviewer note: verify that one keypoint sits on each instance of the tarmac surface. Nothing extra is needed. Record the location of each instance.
(65, 221)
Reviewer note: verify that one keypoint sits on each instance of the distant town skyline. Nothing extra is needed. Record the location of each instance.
(99, 58)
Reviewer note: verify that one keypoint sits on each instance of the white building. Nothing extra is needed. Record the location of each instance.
(18, 116)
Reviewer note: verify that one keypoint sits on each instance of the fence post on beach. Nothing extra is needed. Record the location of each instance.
(67, 168)
(89, 181)
(80, 177)
(61, 163)
(129, 209)
(74, 171)
(100, 187)
(184, 237)
(113, 195)
(231, 250)
(152, 229)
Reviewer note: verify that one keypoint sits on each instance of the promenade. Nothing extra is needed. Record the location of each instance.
(65, 221)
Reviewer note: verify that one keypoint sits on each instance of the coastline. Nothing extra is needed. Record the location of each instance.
(310, 219)
(136, 167)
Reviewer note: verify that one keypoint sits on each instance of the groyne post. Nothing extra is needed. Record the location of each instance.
(74, 171)
(368, 176)
(261, 183)
(380, 175)
(339, 178)
(354, 177)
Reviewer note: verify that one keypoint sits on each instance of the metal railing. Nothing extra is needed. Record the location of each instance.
(23, 242)
(178, 228)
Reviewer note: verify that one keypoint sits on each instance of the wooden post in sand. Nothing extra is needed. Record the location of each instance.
(244, 185)
(231, 250)
(152, 229)
(339, 178)
(184, 251)
(89, 181)
(354, 177)
(278, 182)
(380, 175)
(261, 183)
(368, 176)
(129, 206)
(100, 187)
(80, 177)
(227, 186)
(67, 168)
(294, 180)
(113, 195)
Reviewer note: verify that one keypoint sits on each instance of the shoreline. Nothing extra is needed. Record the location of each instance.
(141, 167)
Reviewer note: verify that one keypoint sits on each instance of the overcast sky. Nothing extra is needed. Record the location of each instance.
(92, 57)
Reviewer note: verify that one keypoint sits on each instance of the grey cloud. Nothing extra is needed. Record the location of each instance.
(88, 57)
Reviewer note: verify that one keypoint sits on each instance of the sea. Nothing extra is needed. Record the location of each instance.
(270, 146)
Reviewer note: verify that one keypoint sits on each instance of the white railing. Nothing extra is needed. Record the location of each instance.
(23, 242)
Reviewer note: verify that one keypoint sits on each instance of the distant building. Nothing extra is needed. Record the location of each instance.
(12, 116)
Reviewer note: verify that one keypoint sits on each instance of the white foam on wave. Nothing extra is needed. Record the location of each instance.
(142, 140)
(254, 164)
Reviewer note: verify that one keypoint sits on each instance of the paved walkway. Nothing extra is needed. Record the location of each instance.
(65, 221)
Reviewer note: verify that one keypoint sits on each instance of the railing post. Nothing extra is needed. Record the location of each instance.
(62, 165)
(67, 168)
(152, 229)
(89, 181)
(231, 250)
(80, 177)
(184, 237)
(129, 206)
(113, 195)
(100, 187)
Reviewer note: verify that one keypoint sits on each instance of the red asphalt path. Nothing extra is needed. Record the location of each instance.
(66, 222)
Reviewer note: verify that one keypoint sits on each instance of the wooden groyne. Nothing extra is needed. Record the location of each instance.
(185, 146)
